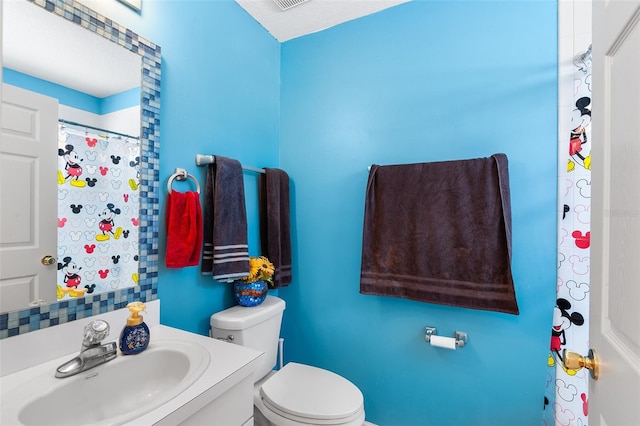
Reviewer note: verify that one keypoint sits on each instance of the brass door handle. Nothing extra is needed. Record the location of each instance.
(48, 260)
(574, 361)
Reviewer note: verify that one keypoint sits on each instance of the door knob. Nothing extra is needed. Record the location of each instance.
(574, 361)
(48, 260)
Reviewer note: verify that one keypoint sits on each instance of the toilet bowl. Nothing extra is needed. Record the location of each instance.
(301, 394)
(297, 394)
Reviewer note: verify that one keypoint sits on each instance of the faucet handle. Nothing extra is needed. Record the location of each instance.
(95, 332)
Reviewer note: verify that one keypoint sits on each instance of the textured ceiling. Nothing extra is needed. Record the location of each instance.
(311, 16)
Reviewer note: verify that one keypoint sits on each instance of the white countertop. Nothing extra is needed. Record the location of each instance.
(26, 350)
(229, 363)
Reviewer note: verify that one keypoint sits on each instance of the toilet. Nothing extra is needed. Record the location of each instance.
(297, 394)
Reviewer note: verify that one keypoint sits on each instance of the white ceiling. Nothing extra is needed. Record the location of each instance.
(311, 16)
(73, 57)
(46, 46)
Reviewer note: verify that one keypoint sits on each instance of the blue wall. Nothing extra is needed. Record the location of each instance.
(71, 97)
(423, 81)
(220, 95)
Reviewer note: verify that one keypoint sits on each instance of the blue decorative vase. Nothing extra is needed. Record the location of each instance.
(250, 294)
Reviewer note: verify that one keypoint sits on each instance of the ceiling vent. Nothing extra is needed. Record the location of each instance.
(288, 4)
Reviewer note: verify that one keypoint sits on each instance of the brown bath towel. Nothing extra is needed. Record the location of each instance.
(275, 228)
(440, 233)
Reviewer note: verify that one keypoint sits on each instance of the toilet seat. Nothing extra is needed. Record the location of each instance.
(311, 395)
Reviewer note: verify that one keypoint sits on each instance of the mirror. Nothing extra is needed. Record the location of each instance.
(113, 61)
(97, 85)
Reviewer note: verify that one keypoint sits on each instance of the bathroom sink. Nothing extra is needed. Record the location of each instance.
(112, 393)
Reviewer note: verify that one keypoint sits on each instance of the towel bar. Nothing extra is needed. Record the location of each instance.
(203, 160)
(182, 174)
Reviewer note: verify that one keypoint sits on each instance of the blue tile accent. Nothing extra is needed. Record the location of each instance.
(4, 321)
(20, 322)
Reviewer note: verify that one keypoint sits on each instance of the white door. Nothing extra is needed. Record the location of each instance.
(614, 399)
(28, 198)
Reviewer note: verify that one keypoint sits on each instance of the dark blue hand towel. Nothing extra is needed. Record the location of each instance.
(226, 249)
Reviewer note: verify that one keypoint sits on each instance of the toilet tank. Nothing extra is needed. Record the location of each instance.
(255, 327)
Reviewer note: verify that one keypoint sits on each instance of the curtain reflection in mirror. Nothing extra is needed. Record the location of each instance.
(98, 210)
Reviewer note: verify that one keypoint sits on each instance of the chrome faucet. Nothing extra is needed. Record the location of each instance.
(92, 353)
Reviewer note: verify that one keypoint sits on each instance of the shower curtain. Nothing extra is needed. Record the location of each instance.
(567, 391)
(98, 211)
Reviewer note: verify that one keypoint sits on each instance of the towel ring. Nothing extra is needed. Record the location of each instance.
(182, 174)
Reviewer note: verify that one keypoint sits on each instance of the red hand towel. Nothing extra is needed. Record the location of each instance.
(184, 229)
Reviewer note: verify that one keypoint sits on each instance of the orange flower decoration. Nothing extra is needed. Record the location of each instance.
(260, 269)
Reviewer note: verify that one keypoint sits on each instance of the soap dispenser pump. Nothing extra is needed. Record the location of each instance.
(135, 335)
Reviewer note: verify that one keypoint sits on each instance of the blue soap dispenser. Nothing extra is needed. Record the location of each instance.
(135, 335)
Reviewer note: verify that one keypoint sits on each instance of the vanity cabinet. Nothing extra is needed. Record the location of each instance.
(234, 407)
(214, 384)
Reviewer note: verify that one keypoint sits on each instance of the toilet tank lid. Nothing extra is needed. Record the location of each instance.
(241, 317)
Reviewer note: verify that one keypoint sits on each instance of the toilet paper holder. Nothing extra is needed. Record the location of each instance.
(460, 336)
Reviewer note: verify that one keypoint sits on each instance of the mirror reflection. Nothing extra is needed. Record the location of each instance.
(100, 174)
(96, 84)
(98, 211)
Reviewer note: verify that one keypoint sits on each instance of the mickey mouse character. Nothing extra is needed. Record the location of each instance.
(72, 166)
(562, 320)
(134, 183)
(71, 271)
(107, 224)
(581, 118)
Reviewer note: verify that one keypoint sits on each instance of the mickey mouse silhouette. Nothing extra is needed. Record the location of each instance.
(562, 320)
(582, 241)
(72, 167)
(71, 271)
(581, 117)
(133, 183)
(107, 224)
